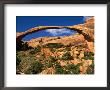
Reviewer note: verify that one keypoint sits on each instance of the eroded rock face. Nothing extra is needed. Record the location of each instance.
(90, 46)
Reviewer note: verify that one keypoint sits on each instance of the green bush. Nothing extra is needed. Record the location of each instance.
(18, 60)
(49, 64)
(91, 58)
(57, 65)
(67, 56)
(52, 58)
(60, 71)
(90, 69)
(42, 56)
(25, 46)
(22, 46)
(88, 55)
(35, 68)
(73, 69)
(35, 50)
(38, 49)
(52, 50)
(68, 48)
(19, 45)
(54, 45)
(32, 52)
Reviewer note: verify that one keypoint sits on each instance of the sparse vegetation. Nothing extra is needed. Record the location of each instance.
(52, 50)
(69, 69)
(22, 46)
(67, 56)
(68, 49)
(28, 63)
(57, 65)
(88, 55)
(18, 60)
(35, 50)
(35, 68)
(90, 69)
(60, 71)
(50, 64)
(52, 58)
(73, 69)
(54, 45)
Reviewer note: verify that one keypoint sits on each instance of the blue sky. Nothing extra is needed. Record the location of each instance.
(24, 23)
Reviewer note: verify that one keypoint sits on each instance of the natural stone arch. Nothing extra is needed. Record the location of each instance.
(86, 32)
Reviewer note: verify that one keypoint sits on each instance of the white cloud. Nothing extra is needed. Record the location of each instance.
(56, 32)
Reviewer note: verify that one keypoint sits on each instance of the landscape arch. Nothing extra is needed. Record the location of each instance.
(86, 32)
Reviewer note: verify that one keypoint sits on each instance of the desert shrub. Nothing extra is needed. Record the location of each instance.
(90, 69)
(67, 56)
(73, 69)
(43, 55)
(32, 52)
(60, 71)
(68, 48)
(49, 64)
(38, 49)
(57, 65)
(52, 50)
(22, 46)
(35, 50)
(88, 55)
(54, 45)
(27, 62)
(18, 60)
(19, 45)
(35, 68)
(80, 47)
(25, 46)
(91, 58)
(52, 58)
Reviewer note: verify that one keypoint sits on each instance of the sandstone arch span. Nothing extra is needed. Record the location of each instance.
(80, 28)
